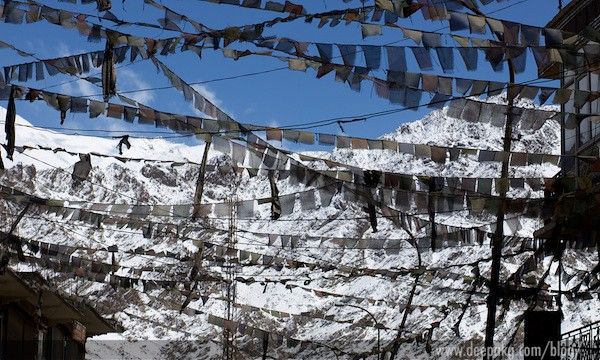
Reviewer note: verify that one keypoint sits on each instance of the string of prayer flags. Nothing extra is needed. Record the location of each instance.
(64, 259)
(70, 19)
(260, 334)
(458, 21)
(4, 45)
(95, 32)
(390, 12)
(460, 108)
(510, 30)
(69, 65)
(372, 29)
(172, 19)
(95, 213)
(287, 7)
(387, 179)
(412, 183)
(36, 246)
(407, 184)
(314, 314)
(449, 235)
(200, 102)
(94, 271)
(397, 63)
(404, 88)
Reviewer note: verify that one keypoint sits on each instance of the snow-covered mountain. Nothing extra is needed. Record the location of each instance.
(298, 303)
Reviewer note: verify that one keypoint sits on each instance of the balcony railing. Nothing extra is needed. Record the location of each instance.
(582, 343)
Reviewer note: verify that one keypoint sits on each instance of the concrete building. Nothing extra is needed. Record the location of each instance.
(38, 323)
(581, 132)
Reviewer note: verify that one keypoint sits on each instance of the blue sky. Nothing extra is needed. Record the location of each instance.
(280, 97)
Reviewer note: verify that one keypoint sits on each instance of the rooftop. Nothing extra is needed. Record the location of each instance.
(577, 15)
(28, 286)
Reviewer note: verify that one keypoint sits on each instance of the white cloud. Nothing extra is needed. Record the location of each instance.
(207, 93)
(134, 82)
(127, 80)
(210, 96)
(75, 87)
(64, 50)
(118, 127)
(80, 87)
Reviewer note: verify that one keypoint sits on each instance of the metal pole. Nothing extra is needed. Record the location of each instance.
(377, 325)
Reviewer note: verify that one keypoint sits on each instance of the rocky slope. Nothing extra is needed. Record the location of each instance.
(298, 303)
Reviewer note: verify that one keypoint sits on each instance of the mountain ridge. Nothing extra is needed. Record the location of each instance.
(116, 181)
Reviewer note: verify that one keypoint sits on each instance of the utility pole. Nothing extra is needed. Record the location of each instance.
(498, 236)
(432, 199)
(195, 273)
(230, 285)
(396, 343)
(200, 181)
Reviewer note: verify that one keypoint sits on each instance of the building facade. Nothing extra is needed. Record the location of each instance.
(37, 323)
(580, 134)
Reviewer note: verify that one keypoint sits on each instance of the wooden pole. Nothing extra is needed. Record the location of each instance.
(396, 343)
(200, 181)
(265, 346)
(498, 236)
(197, 200)
(431, 208)
(13, 226)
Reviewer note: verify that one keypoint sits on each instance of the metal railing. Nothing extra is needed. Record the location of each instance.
(582, 343)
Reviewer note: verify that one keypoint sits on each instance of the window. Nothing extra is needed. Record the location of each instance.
(595, 86)
(585, 128)
(569, 134)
